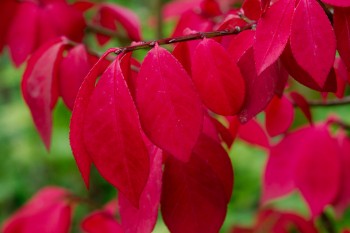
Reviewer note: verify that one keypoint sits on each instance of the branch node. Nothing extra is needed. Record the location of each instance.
(118, 51)
(202, 35)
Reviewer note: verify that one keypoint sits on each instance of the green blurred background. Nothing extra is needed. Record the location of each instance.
(26, 167)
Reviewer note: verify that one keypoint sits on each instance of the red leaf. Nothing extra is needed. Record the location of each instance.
(193, 21)
(83, 5)
(259, 137)
(176, 8)
(45, 30)
(302, 76)
(299, 163)
(240, 44)
(341, 76)
(233, 126)
(281, 222)
(143, 219)
(315, 157)
(278, 176)
(252, 9)
(66, 20)
(37, 22)
(265, 4)
(39, 87)
(112, 135)
(302, 103)
(272, 33)
(340, 3)
(260, 89)
(312, 40)
(110, 14)
(77, 123)
(342, 32)
(47, 212)
(217, 158)
(7, 13)
(193, 198)
(73, 69)
(210, 8)
(106, 20)
(170, 111)
(301, 224)
(101, 221)
(278, 222)
(183, 54)
(341, 203)
(130, 68)
(282, 81)
(218, 79)
(23, 26)
(230, 22)
(279, 116)
(209, 128)
(46, 2)
(280, 166)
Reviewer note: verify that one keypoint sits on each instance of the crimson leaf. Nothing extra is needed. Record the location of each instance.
(110, 14)
(260, 88)
(73, 69)
(39, 87)
(170, 111)
(193, 197)
(218, 79)
(49, 211)
(23, 26)
(272, 33)
(112, 135)
(342, 32)
(76, 134)
(313, 40)
(343, 198)
(101, 221)
(144, 218)
(279, 116)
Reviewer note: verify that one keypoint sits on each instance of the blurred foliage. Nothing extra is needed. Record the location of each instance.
(26, 166)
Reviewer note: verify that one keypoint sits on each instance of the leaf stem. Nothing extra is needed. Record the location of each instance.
(90, 27)
(329, 103)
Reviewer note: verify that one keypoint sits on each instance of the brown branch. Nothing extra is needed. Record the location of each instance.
(90, 27)
(195, 36)
(158, 12)
(329, 103)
